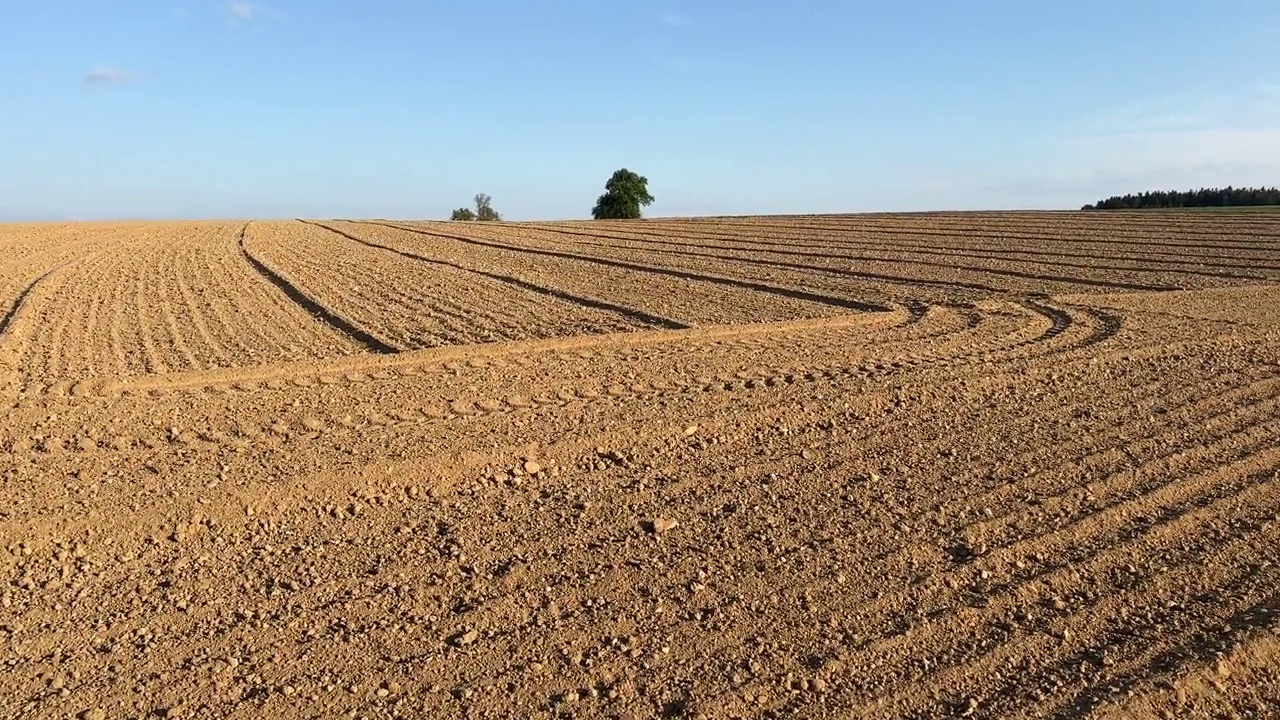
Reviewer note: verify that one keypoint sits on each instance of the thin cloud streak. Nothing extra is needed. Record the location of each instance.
(109, 76)
(674, 19)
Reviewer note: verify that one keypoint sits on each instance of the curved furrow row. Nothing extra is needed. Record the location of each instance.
(935, 566)
(29, 253)
(399, 295)
(749, 237)
(1005, 328)
(293, 289)
(61, 313)
(432, 408)
(275, 469)
(357, 600)
(171, 299)
(1000, 599)
(692, 300)
(1213, 673)
(854, 288)
(1099, 245)
(1016, 275)
(580, 300)
(1194, 230)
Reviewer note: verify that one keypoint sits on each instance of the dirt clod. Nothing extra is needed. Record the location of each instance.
(660, 525)
(466, 638)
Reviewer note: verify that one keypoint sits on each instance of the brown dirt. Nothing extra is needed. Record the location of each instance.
(971, 465)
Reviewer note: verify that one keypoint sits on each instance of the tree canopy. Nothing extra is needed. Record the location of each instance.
(484, 210)
(1204, 197)
(624, 194)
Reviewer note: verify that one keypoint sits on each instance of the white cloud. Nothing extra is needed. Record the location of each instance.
(249, 13)
(108, 76)
(1186, 130)
(1189, 148)
(674, 19)
(1181, 142)
(242, 11)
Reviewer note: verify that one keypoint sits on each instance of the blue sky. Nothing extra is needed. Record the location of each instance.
(407, 108)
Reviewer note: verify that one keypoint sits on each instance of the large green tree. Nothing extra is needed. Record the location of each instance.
(462, 214)
(624, 194)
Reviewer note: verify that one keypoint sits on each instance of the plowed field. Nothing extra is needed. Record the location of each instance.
(1002, 465)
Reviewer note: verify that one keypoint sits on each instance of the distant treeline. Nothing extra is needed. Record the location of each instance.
(1204, 197)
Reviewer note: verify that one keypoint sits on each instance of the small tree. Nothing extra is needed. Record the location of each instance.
(624, 194)
(484, 211)
(462, 214)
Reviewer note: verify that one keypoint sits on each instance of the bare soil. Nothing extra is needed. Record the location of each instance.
(1006, 465)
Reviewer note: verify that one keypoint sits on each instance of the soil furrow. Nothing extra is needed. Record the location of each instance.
(664, 468)
(1144, 261)
(744, 284)
(630, 313)
(313, 308)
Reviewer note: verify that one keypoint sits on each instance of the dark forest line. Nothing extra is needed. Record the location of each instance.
(1204, 197)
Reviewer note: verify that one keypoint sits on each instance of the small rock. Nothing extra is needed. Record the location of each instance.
(691, 431)
(94, 714)
(466, 638)
(532, 467)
